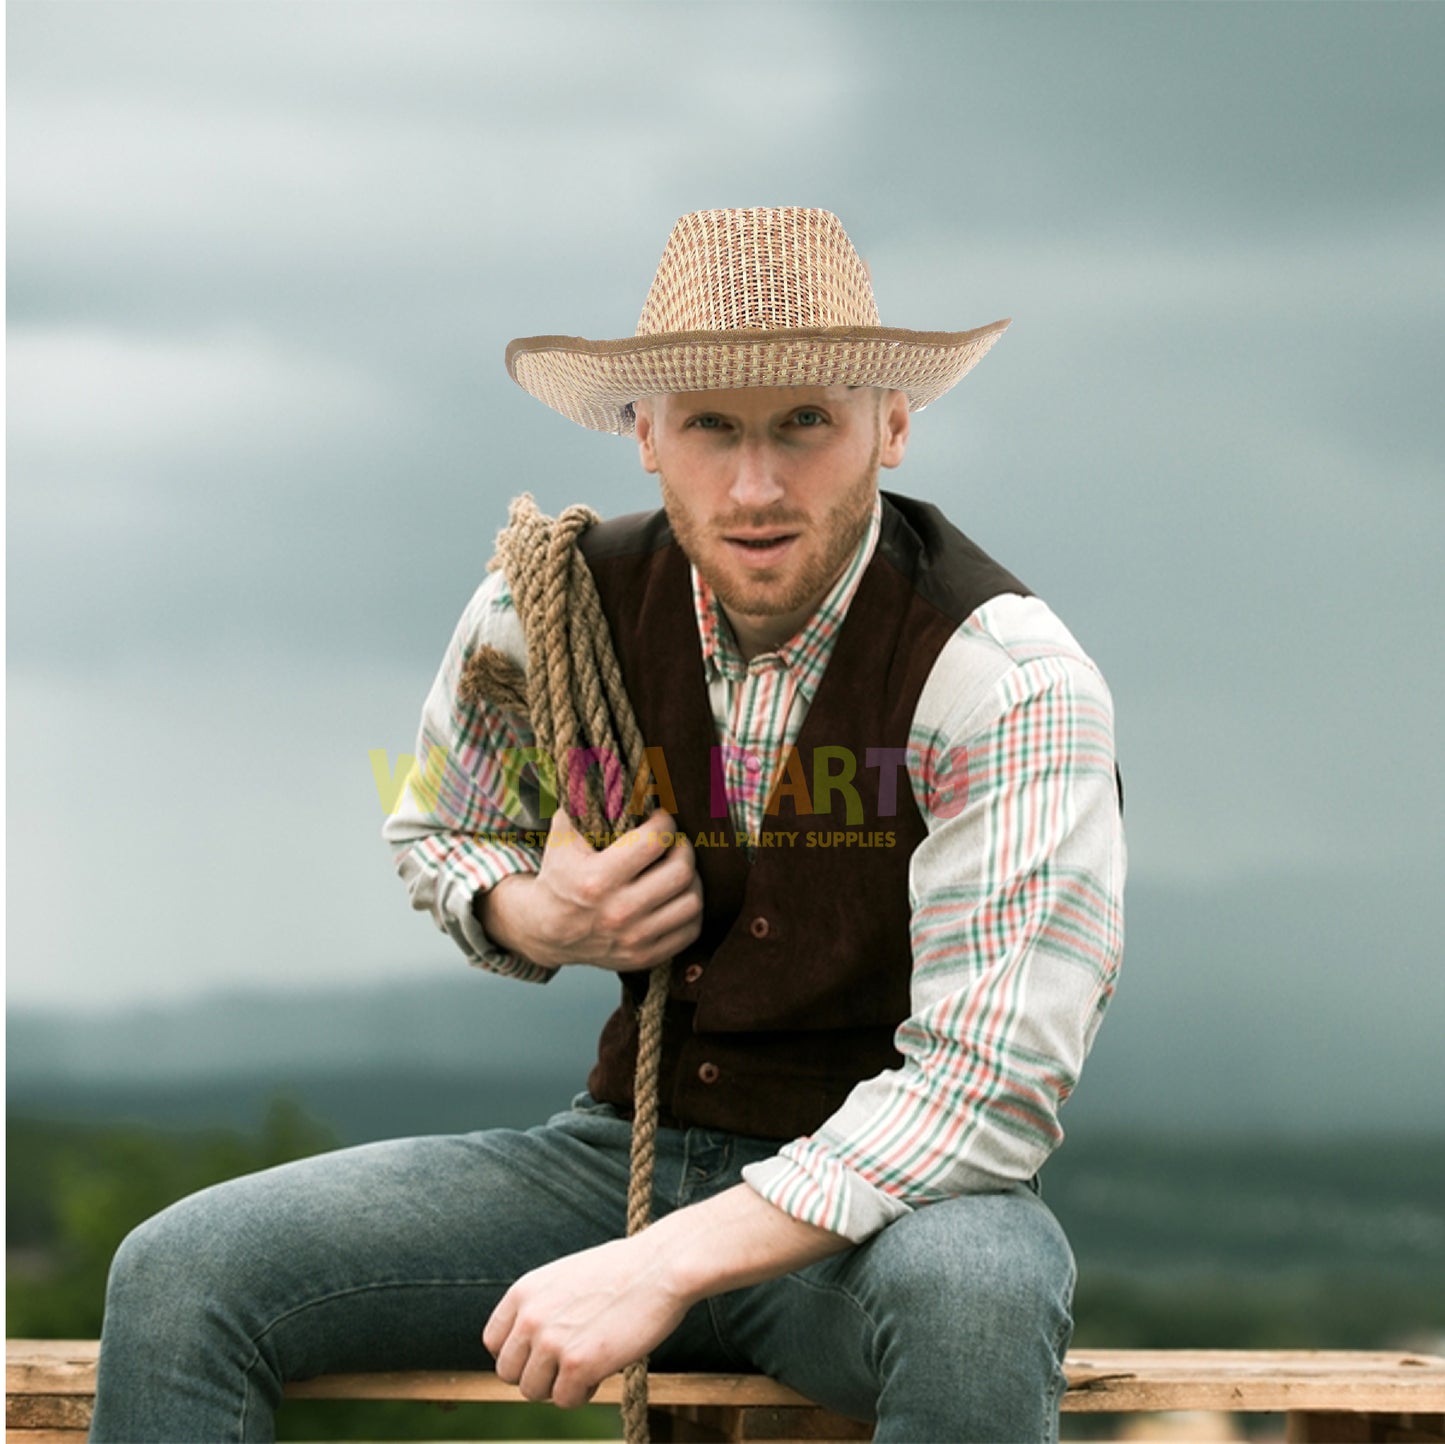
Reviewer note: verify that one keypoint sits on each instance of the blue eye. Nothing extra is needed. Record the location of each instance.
(809, 417)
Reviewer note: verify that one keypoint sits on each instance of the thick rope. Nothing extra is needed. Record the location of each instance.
(574, 698)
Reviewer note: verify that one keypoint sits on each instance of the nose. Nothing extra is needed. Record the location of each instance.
(755, 482)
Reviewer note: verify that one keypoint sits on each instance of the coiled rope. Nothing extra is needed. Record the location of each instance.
(573, 696)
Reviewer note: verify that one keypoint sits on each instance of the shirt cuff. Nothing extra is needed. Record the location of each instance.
(503, 861)
(808, 1183)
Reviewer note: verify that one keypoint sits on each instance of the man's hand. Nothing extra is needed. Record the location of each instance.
(626, 908)
(563, 1328)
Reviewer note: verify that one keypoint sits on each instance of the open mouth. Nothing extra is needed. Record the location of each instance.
(763, 544)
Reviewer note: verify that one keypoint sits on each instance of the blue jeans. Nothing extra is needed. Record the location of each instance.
(949, 1325)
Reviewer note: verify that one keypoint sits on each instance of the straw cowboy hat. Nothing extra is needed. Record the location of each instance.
(764, 296)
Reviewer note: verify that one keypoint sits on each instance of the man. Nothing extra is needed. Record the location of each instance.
(889, 871)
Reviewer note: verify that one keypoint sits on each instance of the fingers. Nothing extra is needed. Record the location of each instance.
(572, 1392)
(672, 875)
(677, 915)
(539, 1376)
(625, 908)
(562, 828)
(663, 824)
(628, 855)
(635, 852)
(526, 1356)
(498, 1328)
(518, 1361)
(658, 914)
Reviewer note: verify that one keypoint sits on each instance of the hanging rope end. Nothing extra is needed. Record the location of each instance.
(490, 675)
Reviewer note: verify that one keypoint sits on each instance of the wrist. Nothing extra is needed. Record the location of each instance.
(674, 1250)
(505, 913)
(729, 1241)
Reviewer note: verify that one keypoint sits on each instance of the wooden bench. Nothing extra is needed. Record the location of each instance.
(1326, 1395)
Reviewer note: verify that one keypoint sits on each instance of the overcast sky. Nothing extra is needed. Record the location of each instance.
(263, 263)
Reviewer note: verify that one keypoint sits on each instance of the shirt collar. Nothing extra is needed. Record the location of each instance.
(807, 651)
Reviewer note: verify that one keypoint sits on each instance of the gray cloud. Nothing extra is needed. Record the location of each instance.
(263, 260)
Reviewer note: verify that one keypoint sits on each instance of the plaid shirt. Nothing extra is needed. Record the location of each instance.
(1016, 899)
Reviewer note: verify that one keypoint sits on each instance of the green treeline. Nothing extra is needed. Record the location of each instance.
(73, 1192)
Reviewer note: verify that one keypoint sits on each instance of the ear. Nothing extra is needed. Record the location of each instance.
(893, 421)
(642, 426)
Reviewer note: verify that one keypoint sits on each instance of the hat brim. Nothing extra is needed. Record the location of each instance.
(594, 383)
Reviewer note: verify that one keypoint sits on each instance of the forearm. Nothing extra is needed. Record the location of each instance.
(732, 1240)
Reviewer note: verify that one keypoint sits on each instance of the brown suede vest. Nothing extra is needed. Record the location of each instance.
(792, 993)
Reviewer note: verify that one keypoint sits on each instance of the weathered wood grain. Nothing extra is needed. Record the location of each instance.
(49, 1384)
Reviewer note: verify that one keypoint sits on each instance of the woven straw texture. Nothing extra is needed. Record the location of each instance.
(766, 296)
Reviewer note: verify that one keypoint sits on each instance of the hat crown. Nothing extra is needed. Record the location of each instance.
(761, 268)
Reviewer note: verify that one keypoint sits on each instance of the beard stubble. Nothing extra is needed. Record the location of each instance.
(841, 529)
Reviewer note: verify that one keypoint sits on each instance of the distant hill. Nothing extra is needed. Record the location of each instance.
(464, 1021)
(357, 1106)
(1276, 1012)
(443, 1055)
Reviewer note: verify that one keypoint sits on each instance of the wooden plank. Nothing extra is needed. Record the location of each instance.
(67, 1366)
(725, 1390)
(1101, 1381)
(47, 1411)
(50, 1366)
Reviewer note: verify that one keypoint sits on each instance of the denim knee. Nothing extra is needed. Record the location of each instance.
(998, 1264)
(173, 1274)
(148, 1269)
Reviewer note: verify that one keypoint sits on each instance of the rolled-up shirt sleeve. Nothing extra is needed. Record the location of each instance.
(462, 823)
(1016, 934)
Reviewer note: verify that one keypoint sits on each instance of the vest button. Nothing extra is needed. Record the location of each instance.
(759, 927)
(709, 1072)
(692, 973)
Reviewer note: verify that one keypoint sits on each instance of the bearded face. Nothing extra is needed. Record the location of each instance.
(769, 492)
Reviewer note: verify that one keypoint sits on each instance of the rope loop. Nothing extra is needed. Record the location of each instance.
(575, 698)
